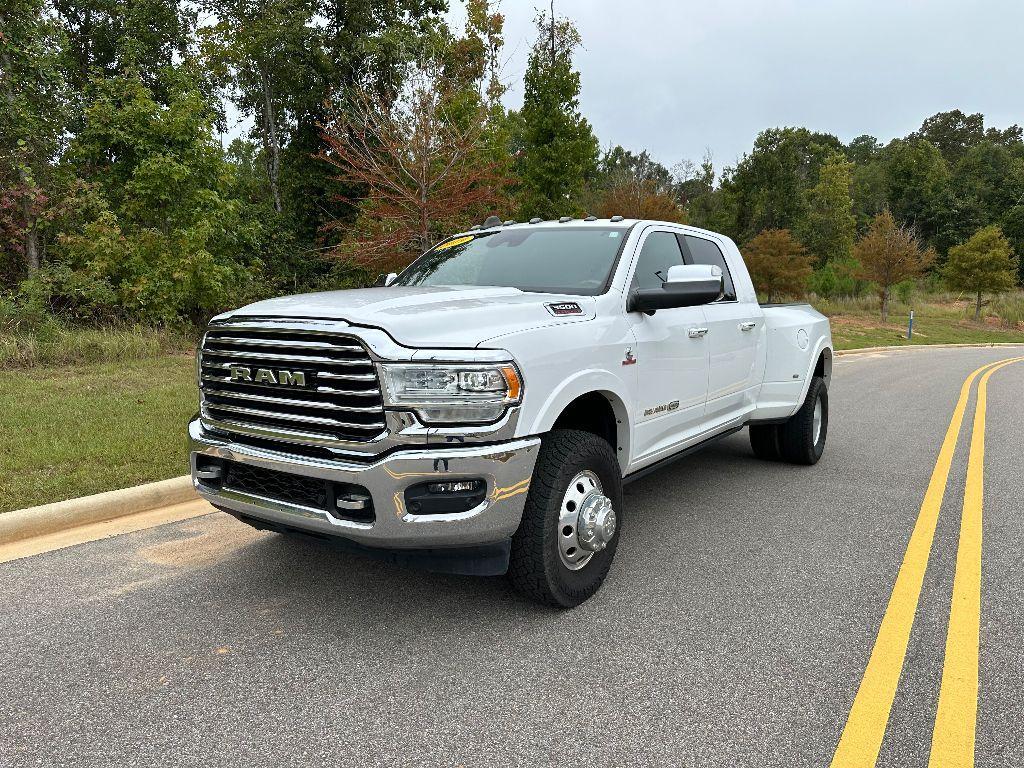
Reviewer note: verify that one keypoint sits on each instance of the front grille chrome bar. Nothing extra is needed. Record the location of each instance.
(288, 344)
(277, 433)
(302, 419)
(273, 357)
(347, 376)
(323, 405)
(322, 388)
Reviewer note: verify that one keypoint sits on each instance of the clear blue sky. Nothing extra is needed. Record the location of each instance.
(678, 76)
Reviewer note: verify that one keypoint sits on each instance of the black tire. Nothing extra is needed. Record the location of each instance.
(764, 439)
(536, 568)
(796, 437)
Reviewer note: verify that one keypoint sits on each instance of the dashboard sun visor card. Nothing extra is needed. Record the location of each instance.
(452, 243)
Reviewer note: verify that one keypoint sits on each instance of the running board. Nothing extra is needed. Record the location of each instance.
(662, 463)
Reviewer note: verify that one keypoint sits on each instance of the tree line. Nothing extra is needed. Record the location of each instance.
(373, 129)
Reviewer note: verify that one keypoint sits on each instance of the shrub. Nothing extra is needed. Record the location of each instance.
(72, 294)
(837, 278)
(905, 291)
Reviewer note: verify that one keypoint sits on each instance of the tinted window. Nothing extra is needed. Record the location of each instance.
(660, 251)
(701, 251)
(574, 260)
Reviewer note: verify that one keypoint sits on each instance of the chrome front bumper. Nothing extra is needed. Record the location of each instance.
(506, 468)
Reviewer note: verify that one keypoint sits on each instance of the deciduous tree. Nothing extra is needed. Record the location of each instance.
(640, 199)
(423, 170)
(635, 186)
(166, 233)
(953, 132)
(984, 264)
(282, 60)
(778, 264)
(918, 185)
(33, 114)
(107, 36)
(890, 253)
(768, 188)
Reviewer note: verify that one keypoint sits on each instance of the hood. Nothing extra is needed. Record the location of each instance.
(437, 316)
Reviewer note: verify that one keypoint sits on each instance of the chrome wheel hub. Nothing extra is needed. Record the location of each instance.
(816, 422)
(586, 522)
(597, 523)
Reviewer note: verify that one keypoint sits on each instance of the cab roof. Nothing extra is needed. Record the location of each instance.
(617, 222)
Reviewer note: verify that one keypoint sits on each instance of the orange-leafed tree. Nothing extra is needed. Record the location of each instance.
(420, 159)
(889, 253)
(778, 264)
(637, 198)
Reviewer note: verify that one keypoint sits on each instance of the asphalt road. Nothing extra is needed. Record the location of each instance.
(733, 630)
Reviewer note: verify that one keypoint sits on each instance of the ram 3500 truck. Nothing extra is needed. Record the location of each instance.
(480, 412)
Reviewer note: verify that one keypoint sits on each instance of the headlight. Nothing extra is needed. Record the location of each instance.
(453, 393)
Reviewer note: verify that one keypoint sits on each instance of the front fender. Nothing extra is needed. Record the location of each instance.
(578, 384)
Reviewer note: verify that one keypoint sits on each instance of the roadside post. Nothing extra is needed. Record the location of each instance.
(910, 325)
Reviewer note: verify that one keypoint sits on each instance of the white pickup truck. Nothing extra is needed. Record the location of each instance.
(480, 412)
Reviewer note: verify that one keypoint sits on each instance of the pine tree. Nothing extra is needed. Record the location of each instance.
(830, 227)
(558, 148)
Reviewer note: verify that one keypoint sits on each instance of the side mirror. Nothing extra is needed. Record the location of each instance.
(383, 281)
(687, 285)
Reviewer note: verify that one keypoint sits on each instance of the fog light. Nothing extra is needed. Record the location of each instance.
(455, 486)
(446, 497)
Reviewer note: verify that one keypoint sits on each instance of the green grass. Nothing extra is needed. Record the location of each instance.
(857, 323)
(75, 430)
(53, 343)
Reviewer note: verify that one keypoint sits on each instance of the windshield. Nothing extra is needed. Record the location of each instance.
(575, 260)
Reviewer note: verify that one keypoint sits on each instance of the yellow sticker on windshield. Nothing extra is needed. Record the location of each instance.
(453, 243)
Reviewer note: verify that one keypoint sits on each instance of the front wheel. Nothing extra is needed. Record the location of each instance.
(571, 522)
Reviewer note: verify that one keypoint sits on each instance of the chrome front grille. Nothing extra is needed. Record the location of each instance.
(287, 384)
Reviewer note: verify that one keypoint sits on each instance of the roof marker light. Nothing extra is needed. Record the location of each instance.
(536, 220)
(565, 219)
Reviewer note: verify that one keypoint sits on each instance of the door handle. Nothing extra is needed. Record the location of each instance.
(747, 326)
(696, 333)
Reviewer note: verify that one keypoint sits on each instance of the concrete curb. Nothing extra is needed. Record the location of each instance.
(49, 518)
(865, 350)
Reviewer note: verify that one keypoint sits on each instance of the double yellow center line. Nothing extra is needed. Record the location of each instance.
(953, 737)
